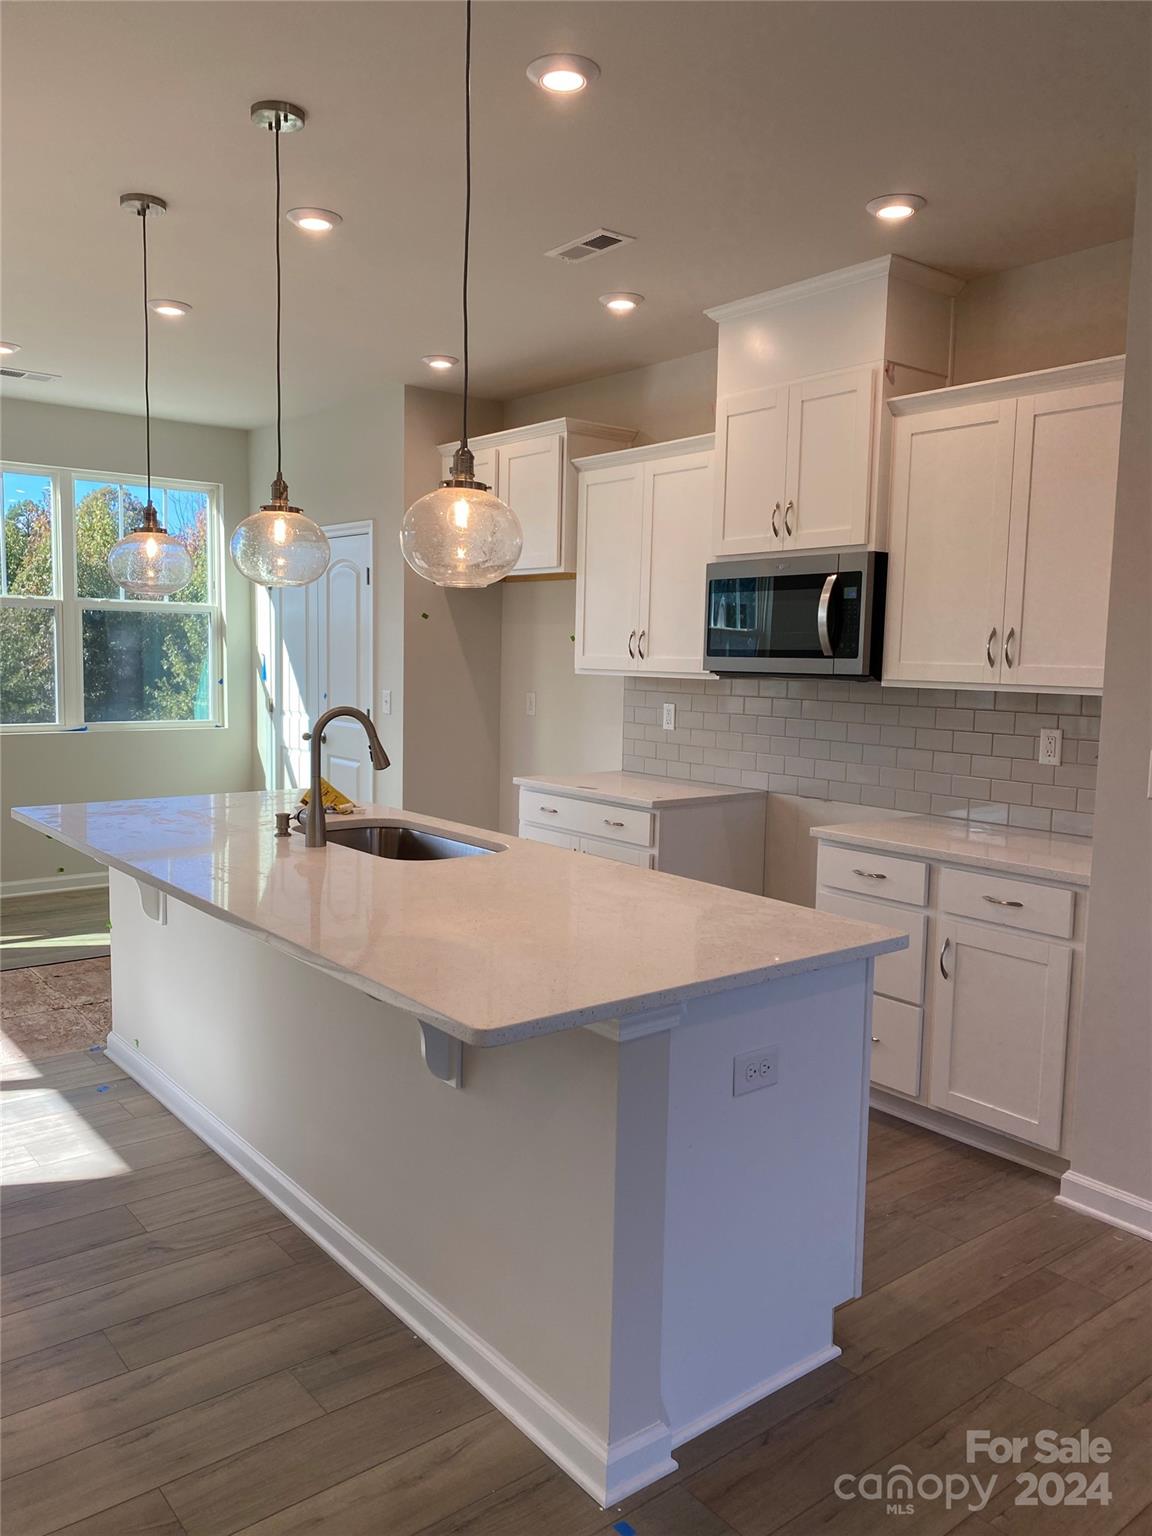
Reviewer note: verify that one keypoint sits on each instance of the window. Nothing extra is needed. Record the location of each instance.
(75, 649)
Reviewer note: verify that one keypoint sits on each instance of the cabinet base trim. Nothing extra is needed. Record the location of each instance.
(970, 1134)
(608, 1472)
(1117, 1207)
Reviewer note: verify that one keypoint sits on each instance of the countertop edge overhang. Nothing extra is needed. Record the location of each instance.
(1000, 850)
(520, 1024)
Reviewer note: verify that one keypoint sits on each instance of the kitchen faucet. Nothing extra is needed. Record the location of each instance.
(315, 835)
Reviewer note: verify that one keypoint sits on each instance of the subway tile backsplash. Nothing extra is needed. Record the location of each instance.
(936, 751)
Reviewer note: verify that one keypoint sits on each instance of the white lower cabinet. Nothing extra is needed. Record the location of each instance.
(975, 1017)
(999, 1029)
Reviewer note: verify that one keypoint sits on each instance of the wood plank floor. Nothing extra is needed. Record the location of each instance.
(179, 1361)
(53, 928)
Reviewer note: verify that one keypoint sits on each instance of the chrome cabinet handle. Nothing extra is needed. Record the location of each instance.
(1008, 639)
(875, 1039)
(787, 525)
(822, 612)
(999, 901)
(640, 644)
(943, 951)
(775, 515)
(988, 648)
(550, 810)
(608, 823)
(868, 874)
(631, 643)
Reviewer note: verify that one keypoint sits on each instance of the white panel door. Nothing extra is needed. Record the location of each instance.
(951, 498)
(751, 462)
(676, 544)
(531, 484)
(1060, 545)
(999, 1029)
(293, 681)
(344, 647)
(828, 484)
(608, 569)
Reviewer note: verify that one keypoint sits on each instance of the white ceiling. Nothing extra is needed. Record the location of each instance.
(738, 142)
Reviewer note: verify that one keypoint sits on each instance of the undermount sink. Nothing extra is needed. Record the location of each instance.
(401, 842)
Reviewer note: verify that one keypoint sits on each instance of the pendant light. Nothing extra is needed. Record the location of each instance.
(148, 562)
(461, 535)
(278, 546)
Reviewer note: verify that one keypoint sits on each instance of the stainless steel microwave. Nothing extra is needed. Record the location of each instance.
(820, 614)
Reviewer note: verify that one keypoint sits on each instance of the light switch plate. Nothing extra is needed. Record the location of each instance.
(385, 701)
(529, 703)
(669, 717)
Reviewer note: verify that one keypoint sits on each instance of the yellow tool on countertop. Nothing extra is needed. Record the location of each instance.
(331, 799)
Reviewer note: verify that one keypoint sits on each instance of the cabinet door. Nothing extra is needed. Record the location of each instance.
(674, 556)
(1060, 543)
(999, 1029)
(751, 458)
(530, 482)
(608, 569)
(951, 494)
(828, 484)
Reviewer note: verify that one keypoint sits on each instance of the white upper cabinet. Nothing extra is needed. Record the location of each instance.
(530, 468)
(1002, 503)
(828, 487)
(1060, 548)
(645, 536)
(951, 495)
(751, 467)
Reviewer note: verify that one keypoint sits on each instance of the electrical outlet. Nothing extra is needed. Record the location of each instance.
(385, 701)
(1050, 744)
(669, 718)
(755, 1069)
(529, 703)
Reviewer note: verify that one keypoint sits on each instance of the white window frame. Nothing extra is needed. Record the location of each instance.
(69, 606)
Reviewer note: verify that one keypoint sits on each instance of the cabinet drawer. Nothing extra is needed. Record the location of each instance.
(897, 1029)
(617, 823)
(899, 975)
(873, 874)
(623, 853)
(1009, 903)
(553, 835)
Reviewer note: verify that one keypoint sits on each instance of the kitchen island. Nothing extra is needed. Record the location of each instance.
(627, 1223)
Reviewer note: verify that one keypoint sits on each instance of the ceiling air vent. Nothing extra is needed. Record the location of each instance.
(595, 244)
(29, 375)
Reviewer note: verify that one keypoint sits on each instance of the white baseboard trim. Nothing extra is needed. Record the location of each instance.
(754, 1395)
(45, 884)
(607, 1472)
(984, 1139)
(1119, 1208)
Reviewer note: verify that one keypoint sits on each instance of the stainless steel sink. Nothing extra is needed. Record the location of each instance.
(401, 842)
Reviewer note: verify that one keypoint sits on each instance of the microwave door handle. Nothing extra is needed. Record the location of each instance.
(822, 613)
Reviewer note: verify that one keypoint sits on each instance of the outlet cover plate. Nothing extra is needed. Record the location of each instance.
(1051, 743)
(668, 719)
(754, 1070)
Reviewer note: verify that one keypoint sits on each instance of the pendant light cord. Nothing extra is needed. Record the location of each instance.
(147, 364)
(467, 197)
(275, 125)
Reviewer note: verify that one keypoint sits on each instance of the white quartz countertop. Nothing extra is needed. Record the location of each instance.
(1010, 850)
(617, 788)
(491, 949)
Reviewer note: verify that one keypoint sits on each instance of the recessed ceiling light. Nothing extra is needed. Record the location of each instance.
(317, 221)
(173, 308)
(440, 360)
(563, 73)
(621, 303)
(895, 207)
(8, 347)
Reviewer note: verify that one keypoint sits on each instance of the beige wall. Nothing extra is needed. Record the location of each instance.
(112, 765)
(451, 646)
(1112, 1129)
(578, 720)
(346, 464)
(1065, 310)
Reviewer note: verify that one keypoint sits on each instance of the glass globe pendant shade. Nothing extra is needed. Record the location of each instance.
(460, 535)
(280, 547)
(150, 562)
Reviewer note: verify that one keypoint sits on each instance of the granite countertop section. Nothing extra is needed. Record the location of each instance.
(493, 949)
(1008, 850)
(649, 793)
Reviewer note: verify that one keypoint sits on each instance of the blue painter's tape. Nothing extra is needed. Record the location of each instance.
(74, 730)
(624, 1528)
(103, 1088)
(96, 1049)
